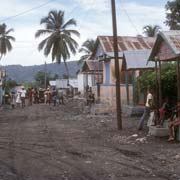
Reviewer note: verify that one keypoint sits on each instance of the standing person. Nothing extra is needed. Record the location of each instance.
(30, 96)
(13, 99)
(45, 97)
(147, 109)
(23, 97)
(18, 99)
(49, 97)
(54, 96)
(61, 96)
(36, 98)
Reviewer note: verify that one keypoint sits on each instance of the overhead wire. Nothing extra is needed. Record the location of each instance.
(26, 11)
(129, 18)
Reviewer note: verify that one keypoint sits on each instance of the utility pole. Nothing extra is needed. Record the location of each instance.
(115, 45)
(45, 75)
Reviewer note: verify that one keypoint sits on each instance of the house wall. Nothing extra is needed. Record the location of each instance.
(84, 80)
(109, 71)
(108, 95)
(81, 84)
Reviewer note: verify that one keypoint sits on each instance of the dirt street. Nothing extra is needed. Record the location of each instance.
(43, 142)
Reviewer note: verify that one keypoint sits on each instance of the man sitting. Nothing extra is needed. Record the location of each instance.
(174, 124)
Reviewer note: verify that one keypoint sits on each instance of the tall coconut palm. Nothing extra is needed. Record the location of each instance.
(5, 40)
(86, 48)
(59, 41)
(150, 31)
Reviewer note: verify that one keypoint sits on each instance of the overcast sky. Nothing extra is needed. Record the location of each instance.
(93, 18)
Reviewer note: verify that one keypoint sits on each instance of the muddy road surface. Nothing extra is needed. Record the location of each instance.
(43, 142)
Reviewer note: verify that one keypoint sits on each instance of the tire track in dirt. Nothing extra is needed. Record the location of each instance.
(58, 150)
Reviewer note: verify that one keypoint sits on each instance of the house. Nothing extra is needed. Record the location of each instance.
(104, 52)
(133, 65)
(167, 49)
(67, 84)
(89, 75)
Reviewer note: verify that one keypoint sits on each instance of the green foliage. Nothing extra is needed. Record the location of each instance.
(173, 14)
(86, 48)
(58, 42)
(9, 84)
(147, 80)
(5, 40)
(150, 31)
(40, 78)
(168, 80)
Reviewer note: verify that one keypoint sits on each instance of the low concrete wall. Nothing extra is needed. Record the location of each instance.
(108, 95)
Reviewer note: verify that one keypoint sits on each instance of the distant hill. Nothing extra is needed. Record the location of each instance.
(27, 73)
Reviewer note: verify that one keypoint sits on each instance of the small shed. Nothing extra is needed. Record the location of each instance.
(166, 48)
(134, 63)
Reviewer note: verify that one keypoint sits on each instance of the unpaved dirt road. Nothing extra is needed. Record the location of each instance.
(43, 142)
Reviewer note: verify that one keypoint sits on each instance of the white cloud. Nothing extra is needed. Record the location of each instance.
(100, 5)
(93, 19)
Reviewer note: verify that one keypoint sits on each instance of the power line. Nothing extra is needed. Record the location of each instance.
(129, 18)
(27, 11)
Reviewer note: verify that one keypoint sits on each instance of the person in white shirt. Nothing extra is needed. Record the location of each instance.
(147, 109)
(23, 96)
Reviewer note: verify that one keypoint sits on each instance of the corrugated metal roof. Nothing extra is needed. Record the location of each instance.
(61, 83)
(137, 59)
(171, 38)
(126, 43)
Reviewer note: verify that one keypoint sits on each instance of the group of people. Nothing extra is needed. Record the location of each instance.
(165, 112)
(18, 98)
(24, 97)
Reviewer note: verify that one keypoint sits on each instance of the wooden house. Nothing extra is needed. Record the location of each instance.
(89, 75)
(127, 47)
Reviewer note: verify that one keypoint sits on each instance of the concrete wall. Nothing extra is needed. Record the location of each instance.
(108, 94)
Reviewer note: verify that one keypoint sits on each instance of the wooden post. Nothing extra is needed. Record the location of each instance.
(178, 80)
(127, 87)
(157, 93)
(118, 91)
(134, 89)
(160, 87)
(45, 76)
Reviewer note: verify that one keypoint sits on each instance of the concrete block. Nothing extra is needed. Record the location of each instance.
(159, 132)
(131, 110)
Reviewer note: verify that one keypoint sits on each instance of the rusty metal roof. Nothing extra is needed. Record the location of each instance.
(126, 43)
(171, 38)
(92, 65)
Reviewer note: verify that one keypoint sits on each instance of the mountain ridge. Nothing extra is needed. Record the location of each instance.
(21, 73)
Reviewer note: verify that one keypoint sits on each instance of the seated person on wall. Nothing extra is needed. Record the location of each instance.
(174, 123)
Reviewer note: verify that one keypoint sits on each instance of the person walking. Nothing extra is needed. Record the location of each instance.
(18, 99)
(13, 99)
(23, 97)
(147, 109)
(30, 96)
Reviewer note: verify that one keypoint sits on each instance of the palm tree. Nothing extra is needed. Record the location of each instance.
(59, 41)
(86, 48)
(150, 31)
(5, 40)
